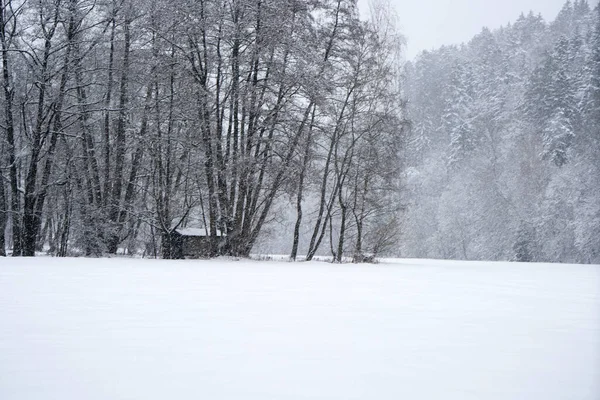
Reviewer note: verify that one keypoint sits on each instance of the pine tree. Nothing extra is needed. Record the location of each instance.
(458, 117)
(524, 243)
(563, 24)
(550, 104)
(591, 101)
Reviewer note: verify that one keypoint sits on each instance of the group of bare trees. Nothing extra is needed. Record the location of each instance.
(125, 119)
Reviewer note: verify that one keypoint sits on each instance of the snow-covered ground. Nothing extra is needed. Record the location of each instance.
(75, 329)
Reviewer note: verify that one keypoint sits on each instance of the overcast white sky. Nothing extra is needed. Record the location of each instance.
(430, 24)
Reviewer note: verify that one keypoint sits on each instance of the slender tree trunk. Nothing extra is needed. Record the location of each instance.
(3, 217)
(359, 215)
(340, 248)
(296, 240)
(320, 223)
(66, 223)
(302, 175)
(120, 145)
(107, 104)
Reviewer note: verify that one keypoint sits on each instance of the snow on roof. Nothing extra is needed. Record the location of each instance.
(195, 232)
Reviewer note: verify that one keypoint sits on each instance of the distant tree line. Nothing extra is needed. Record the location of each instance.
(503, 161)
(123, 120)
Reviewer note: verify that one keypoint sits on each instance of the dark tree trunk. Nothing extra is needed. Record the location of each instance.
(301, 177)
(114, 237)
(65, 225)
(3, 217)
(340, 248)
(107, 104)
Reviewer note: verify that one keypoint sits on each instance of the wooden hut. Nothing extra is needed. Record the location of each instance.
(191, 243)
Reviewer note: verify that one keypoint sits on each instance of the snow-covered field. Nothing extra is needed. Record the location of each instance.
(81, 329)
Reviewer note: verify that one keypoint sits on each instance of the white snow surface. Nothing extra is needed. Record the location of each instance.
(74, 329)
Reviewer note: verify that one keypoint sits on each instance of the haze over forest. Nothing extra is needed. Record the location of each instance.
(508, 126)
(296, 127)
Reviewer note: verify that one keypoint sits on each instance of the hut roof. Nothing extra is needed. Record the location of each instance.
(195, 232)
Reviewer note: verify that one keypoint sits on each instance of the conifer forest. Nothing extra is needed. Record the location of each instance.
(296, 127)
